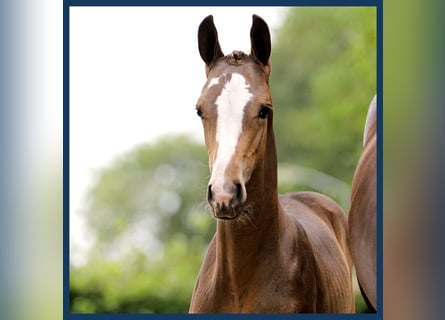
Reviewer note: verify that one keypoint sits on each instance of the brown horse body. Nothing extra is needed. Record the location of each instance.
(270, 253)
(362, 214)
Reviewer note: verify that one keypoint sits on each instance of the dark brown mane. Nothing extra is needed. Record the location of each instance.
(236, 58)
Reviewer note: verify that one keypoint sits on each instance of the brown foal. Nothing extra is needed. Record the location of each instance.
(270, 253)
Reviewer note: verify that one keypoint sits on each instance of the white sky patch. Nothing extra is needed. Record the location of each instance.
(119, 83)
(231, 103)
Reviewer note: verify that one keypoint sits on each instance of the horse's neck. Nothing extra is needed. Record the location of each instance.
(242, 243)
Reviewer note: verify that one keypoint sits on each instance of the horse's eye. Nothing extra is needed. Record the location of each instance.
(264, 111)
(199, 112)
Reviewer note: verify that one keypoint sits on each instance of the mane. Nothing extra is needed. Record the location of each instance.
(236, 58)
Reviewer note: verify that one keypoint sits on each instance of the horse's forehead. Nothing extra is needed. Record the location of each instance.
(222, 77)
(228, 92)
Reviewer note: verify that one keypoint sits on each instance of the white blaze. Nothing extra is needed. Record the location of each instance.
(230, 104)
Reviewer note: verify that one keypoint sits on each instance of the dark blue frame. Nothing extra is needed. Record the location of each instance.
(66, 260)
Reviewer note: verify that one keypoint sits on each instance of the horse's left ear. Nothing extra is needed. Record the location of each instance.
(260, 40)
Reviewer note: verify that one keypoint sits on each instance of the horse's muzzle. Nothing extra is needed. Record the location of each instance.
(225, 201)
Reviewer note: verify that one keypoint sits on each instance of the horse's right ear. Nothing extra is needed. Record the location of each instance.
(208, 43)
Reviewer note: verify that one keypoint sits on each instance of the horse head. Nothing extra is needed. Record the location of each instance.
(236, 111)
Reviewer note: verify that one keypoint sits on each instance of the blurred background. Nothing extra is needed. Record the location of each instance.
(139, 226)
(31, 110)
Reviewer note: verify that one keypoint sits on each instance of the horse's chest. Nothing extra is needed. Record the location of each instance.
(272, 297)
(266, 293)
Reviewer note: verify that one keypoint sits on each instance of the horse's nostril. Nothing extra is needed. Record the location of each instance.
(209, 193)
(239, 192)
(231, 194)
(237, 195)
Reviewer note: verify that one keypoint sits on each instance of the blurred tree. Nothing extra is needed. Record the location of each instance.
(323, 79)
(153, 188)
(151, 231)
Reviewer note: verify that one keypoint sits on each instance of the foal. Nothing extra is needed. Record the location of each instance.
(270, 253)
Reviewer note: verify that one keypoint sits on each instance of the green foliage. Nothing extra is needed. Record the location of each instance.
(296, 178)
(323, 79)
(360, 304)
(159, 181)
(137, 285)
(150, 195)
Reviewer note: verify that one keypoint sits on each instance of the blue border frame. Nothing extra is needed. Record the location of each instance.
(380, 158)
(66, 226)
(277, 3)
(66, 161)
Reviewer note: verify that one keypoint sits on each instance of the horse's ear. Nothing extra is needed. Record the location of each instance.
(260, 40)
(208, 43)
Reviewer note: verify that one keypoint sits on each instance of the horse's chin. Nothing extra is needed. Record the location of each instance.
(226, 218)
(232, 213)
(226, 213)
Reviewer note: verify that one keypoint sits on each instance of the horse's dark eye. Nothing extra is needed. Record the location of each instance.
(199, 112)
(264, 111)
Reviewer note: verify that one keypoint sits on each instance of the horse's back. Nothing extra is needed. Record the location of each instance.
(325, 225)
(362, 221)
(362, 213)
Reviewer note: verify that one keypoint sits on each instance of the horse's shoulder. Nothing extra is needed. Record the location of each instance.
(325, 226)
(320, 216)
